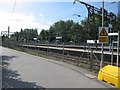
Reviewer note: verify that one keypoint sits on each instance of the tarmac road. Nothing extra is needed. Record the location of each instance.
(22, 70)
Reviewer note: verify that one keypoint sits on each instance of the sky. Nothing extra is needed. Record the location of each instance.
(119, 7)
(41, 15)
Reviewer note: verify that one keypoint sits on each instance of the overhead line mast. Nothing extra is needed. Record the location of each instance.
(100, 13)
(96, 12)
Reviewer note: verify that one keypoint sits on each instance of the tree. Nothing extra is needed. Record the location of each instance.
(68, 30)
(44, 35)
(116, 24)
(78, 33)
(26, 35)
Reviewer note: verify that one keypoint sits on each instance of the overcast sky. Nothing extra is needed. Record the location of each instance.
(40, 15)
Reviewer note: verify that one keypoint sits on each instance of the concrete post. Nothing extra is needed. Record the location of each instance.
(91, 60)
(63, 52)
(118, 42)
(112, 54)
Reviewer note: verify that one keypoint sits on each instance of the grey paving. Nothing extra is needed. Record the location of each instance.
(22, 70)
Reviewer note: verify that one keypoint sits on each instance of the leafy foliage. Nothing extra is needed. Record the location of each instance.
(26, 35)
(69, 31)
(78, 33)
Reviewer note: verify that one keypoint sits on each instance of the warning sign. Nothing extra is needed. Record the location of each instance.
(103, 31)
(103, 39)
(103, 34)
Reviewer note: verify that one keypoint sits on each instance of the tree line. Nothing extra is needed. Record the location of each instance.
(63, 31)
(77, 32)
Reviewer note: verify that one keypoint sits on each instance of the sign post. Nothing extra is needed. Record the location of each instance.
(102, 26)
(103, 38)
(103, 34)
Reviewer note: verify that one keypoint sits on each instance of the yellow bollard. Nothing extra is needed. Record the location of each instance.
(110, 74)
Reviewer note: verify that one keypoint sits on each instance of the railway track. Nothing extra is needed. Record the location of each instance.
(74, 56)
(70, 48)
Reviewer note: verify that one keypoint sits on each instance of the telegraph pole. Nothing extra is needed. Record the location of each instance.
(102, 27)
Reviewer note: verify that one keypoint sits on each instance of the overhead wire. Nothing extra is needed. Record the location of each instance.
(58, 12)
(110, 3)
(73, 14)
(70, 15)
(110, 8)
(86, 10)
(62, 10)
(12, 11)
(14, 6)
